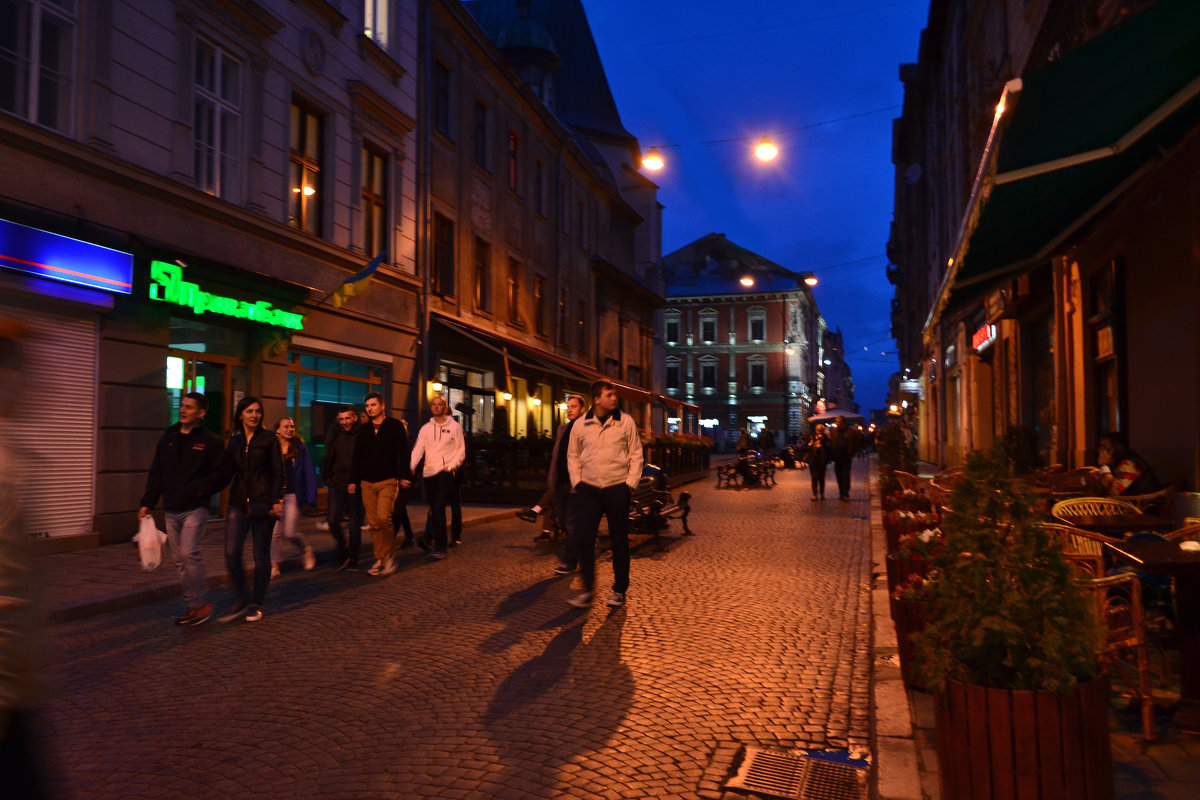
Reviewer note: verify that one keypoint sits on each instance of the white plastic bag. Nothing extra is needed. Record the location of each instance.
(150, 543)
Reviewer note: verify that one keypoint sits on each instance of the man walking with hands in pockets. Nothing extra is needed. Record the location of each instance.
(440, 441)
(604, 460)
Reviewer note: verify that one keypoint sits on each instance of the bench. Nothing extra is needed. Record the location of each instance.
(749, 474)
(651, 510)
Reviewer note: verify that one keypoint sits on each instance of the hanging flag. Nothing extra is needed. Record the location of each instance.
(356, 284)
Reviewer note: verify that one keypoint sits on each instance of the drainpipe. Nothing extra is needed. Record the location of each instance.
(425, 198)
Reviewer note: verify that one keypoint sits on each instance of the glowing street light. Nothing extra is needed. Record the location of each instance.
(653, 160)
(746, 280)
(810, 280)
(765, 150)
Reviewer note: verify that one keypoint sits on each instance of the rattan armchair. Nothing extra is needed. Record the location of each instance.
(1078, 542)
(1117, 600)
(1090, 507)
(1160, 503)
(1187, 532)
(910, 482)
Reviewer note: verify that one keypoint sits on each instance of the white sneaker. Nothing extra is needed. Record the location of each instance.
(309, 559)
(323, 525)
(581, 600)
(376, 568)
(389, 567)
(617, 599)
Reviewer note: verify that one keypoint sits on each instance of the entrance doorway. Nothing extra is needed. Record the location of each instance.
(223, 379)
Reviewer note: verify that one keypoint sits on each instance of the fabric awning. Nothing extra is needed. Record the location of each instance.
(1075, 136)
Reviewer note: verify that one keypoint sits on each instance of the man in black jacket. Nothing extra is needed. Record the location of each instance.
(380, 469)
(188, 469)
(335, 469)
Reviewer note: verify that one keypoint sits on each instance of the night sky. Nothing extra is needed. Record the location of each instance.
(703, 80)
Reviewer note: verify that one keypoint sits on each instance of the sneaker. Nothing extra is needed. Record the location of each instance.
(389, 567)
(455, 542)
(309, 559)
(254, 614)
(344, 564)
(234, 613)
(617, 599)
(376, 568)
(199, 616)
(438, 554)
(186, 619)
(274, 570)
(581, 600)
(408, 542)
(323, 525)
(814, 497)
(527, 514)
(563, 568)
(424, 544)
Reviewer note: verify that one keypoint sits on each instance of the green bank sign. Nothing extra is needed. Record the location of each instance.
(168, 286)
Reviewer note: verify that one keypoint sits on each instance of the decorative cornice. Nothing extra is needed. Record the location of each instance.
(365, 100)
(370, 50)
(247, 14)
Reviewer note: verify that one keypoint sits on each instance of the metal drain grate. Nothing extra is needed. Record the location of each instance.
(798, 776)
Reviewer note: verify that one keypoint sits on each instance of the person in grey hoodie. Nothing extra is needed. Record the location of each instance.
(604, 461)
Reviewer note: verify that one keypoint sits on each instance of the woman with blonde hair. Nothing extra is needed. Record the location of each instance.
(299, 490)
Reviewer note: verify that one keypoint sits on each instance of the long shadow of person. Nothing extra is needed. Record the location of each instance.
(565, 702)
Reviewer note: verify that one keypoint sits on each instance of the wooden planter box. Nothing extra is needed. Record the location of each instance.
(900, 567)
(909, 616)
(1024, 745)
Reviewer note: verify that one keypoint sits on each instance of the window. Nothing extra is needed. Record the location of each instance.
(539, 305)
(514, 144)
(674, 371)
(633, 374)
(672, 325)
(581, 223)
(539, 187)
(443, 255)
(377, 21)
(218, 121)
(304, 201)
(37, 47)
(514, 291)
(317, 385)
(757, 317)
(483, 275)
(758, 372)
(581, 328)
(374, 201)
(564, 321)
(441, 98)
(708, 376)
(481, 134)
(708, 327)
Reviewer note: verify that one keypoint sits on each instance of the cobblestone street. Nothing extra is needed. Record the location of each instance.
(472, 678)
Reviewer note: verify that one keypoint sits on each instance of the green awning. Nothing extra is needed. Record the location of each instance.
(1083, 129)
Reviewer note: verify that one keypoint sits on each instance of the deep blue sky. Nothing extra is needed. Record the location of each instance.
(823, 78)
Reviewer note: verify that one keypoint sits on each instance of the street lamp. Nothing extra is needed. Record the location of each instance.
(653, 160)
(810, 279)
(765, 150)
(746, 280)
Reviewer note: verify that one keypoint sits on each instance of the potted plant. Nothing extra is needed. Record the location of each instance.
(1010, 647)
(913, 553)
(908, 614)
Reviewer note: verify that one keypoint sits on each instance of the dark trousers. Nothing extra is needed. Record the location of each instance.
(238, 523)
(441, 490)
(400, 515)
(592, 503)
(817, 473)
(342, 502)
(20, 762)
(566, 514)
(842, 468)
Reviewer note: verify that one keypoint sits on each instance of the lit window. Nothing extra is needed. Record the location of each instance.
(374, 201)
(305, 198)
(377, 20)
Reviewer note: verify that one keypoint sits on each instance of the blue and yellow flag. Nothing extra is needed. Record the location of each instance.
(356, 284)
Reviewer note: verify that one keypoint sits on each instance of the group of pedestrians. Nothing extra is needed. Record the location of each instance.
(368, 469)
(837, 447)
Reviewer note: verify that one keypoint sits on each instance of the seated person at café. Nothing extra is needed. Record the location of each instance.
(1122, 471)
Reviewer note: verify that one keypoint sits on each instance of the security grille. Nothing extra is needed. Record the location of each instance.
(798, 776)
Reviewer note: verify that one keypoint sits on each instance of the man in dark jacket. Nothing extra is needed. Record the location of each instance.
(845, 442)
(335, 469)
(380, 469)
(188, 469)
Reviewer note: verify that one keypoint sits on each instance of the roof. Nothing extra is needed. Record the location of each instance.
(714, 265)
(583, 98)
(1081, 131)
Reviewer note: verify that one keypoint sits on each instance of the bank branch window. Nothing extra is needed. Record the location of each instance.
(318, 385)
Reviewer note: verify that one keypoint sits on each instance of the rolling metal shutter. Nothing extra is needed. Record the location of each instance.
(55, 426)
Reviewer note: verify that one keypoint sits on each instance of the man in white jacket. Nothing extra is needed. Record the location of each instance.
(604, 460)
(440, 442)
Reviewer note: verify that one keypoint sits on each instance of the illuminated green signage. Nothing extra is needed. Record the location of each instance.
(167, 284)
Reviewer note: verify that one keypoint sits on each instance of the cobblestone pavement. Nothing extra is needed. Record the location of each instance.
(471, 678)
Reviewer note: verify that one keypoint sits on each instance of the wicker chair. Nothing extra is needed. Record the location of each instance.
(910, 482)
(1090, 507)
(1117, 600)
(1187, 532)
(1081, 545)
(1160, 503)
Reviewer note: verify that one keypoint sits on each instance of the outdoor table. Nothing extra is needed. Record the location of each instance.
(1118, 525)
(1166, 558)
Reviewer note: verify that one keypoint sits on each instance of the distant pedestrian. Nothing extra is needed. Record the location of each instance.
(819, 453)
(440, 443)
(255, 502)
(604, 461)
(846, 441)
(766, 441)
(380, 471)
(335, 469)
(743, 442)
(299, 491)
(187, 470)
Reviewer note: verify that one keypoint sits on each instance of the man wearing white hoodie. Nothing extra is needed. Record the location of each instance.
(440, 442)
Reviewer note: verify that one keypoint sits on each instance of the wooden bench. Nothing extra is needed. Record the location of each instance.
(651, 510)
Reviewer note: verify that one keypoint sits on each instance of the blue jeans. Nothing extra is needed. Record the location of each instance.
(185, 531)
(342, 502)
(238, 523)
(592, 503)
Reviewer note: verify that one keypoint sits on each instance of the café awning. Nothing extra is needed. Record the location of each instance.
(1071, 138)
